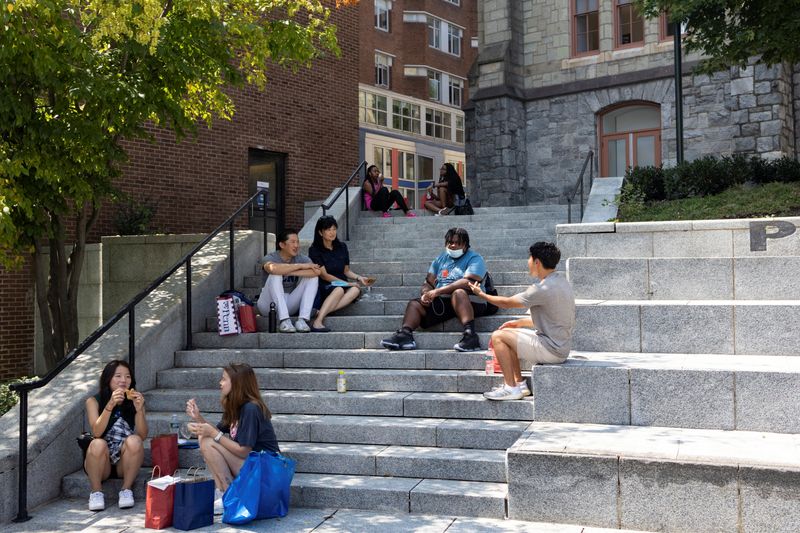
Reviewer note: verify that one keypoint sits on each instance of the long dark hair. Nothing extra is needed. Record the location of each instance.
(110, 369)
(455, 185)
(244, 389)
(324, 223)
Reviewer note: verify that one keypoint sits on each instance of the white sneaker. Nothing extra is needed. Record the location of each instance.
(300, 326)
(125, 498)
(523, 388)
(97, 502)
(218, 507)
(286, 326)
(503, 393)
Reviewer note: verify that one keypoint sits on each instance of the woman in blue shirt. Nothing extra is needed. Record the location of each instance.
(245, 427)
(331, 254)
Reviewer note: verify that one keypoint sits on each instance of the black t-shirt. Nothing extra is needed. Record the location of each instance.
(334, 260)
(125, 410)
(253, 430)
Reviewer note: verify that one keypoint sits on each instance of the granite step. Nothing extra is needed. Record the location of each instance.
(413, 279)
(408, 404)
(655, 478)
(421, 265)
(482, 243)
(387, 430)
(401, 293)
(705, 391)
(367, 234)
(519, 252)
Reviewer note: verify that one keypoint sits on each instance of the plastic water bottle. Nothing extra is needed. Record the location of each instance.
(273, 318)
(174, 425)
(341, 382)
(488, 360)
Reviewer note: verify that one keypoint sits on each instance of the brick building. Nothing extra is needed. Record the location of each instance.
(415, 56)
(300, 136)
(556, 79)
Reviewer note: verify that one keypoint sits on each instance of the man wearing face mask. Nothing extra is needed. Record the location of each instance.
(446, 294)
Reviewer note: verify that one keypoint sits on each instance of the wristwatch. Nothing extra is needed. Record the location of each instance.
(218, 437)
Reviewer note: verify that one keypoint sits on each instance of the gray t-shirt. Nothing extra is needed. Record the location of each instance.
(289, 282)
(552, 308)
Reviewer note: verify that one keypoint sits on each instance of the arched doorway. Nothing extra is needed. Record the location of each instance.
(630, 136)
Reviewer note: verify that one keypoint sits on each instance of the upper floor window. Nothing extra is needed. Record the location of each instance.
(434, 33)
(456, 91)
(434, 85)
(437, 124)
(459, 129)
(445, 36)
(629, 24)
(383, 9)
(586, 29)
(454, 2)
(383, 70)
(372, 108)
(454, 36)
(405, 116)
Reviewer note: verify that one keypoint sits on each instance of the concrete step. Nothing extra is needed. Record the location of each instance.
(479, 235)
(401, 293)
(378, 380)
(413, 253)
(436, 242)
(338, 340)
(499, 218)
(708, 278)
(409, 404)
(376, 267)
(417, 495)
(753, 393)
(389, 430)
(412, 279)
(655, 478)
(384, 323)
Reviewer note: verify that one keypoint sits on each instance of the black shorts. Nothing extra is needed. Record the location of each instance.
(441, 309)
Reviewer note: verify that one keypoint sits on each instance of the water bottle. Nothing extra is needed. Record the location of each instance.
(273, 318)
(488, 360)
(341, 382)
(174, 425)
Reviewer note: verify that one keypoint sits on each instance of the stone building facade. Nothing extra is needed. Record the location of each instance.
(554, 80)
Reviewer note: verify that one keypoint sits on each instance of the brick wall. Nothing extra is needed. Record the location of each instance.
(311, 116)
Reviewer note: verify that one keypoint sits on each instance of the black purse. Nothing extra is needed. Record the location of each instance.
(84, 440)
(464, 209)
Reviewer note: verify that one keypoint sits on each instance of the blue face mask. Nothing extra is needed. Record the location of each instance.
(455, 254)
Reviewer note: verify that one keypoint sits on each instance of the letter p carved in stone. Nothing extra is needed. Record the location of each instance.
(759, 235)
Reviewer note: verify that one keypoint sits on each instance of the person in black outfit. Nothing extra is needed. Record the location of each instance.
(378, 198)
(331, 254)
(449, 189)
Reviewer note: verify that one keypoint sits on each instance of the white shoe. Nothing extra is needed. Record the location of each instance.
(523, 388)
(286, 326)
(125, 498)
(300, 326)
(218, 507)
(97, 502)
(503, 393)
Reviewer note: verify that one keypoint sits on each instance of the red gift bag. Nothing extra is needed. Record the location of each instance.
(491, 359)
(159, 502)
(164, 452)
(247, 318)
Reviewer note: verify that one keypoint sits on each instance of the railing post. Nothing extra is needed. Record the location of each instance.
(264, 220)
(230, 279)
(132, 339)
(22, 469)
(347, 210)
(189, 343)
(569, 210)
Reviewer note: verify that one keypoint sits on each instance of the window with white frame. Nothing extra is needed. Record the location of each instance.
(459, 129)
(434, 85)
(383, 9)
(438, 124)
(383, 70)
(382, 158)
(456, 87)
(372, 108)
(405, 116)
(454, 2)
(454, 36)
(434, 32)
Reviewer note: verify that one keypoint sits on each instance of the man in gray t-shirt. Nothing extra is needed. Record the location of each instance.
(543, 337)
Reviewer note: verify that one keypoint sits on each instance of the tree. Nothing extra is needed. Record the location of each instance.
(730, 32)
(79, 76)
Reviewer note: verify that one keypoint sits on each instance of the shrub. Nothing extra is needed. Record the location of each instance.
(761, 171)
(9, 399)
(786, 169)
(647, 182)
(134, 217)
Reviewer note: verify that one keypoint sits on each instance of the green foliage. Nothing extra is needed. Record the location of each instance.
(730, 32)
(134, 217)
(9, 399)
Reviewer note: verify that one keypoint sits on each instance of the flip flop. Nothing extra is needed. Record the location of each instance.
(323, 329)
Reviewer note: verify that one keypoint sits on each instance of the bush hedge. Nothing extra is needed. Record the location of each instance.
(705, 176)
(9, 399)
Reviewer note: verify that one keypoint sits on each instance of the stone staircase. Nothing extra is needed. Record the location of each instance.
(413, 432)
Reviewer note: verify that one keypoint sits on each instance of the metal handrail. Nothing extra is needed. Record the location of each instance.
(22, 389)
(579, 185)
(346, 189)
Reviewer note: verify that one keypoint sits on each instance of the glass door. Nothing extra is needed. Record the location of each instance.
(267, 172)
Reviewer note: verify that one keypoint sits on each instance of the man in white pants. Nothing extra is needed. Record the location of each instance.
(543, 337)
(291, 284)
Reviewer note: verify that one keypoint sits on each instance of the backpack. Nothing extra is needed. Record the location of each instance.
(463, 207)
(490, 289)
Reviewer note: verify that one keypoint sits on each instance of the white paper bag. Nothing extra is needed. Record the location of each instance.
(227, 317)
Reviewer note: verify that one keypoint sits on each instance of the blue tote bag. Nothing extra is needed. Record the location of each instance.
(261, 490)
(194, 504)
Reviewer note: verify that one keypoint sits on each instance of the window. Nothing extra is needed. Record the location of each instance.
(437, 124)
(586, 26)
(434, 85)
(668, 28)
(630, 25)
(383, 70)
(434, 33)
(454, 2)
(459, 129)
(456, 90)
(382, 11)
(372, 108)
(382, 158)
(405, 116)
(454, 40)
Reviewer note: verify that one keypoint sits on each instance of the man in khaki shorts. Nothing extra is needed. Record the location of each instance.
(543, 337)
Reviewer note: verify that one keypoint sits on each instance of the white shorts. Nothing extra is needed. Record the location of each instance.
(532, 350)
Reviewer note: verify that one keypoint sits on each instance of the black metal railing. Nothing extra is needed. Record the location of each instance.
(588, 162)
(346, 189)
(22, 389)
